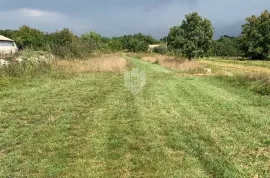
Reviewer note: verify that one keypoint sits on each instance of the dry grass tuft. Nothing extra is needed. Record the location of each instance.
(105, 63)
(174, 63)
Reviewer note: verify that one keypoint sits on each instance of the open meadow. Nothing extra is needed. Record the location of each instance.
(79, 119)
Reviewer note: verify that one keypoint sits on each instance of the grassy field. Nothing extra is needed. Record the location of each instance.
(91, 125)
(236, 66)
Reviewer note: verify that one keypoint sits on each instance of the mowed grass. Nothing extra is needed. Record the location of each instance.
(90, 125)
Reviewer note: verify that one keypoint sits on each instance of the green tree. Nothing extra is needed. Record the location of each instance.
(255, 38)
(136, 45)
(62, 37)
(137, 42)
(7, 33)
(226, 47)
(65, 44)
(115, 44)
(95, 40)
(193, 37)
(92, 36)
(27, 37)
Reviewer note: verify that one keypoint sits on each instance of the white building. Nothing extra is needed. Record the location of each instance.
(7, 45)
(152, 47)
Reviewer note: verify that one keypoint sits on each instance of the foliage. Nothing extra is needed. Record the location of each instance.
(6, 33)
(115, 45)
(135, 45)
(161, 50)
(66, 44)
(26, 69)
(255, 39)
(193, 37)
(164, 39)
(226, 47)
(62, 37)
(137, 42)
(27, 37)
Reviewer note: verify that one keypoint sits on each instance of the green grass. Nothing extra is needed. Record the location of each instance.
(90, 125)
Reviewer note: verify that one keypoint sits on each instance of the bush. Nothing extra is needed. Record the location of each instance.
(160, 50)
(25, 69)
(135, 45)
(27, 37)
(27, 63)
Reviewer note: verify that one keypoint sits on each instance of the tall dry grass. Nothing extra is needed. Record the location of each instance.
(105, 63)
(174, 63)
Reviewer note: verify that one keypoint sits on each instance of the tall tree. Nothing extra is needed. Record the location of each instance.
(226, 46)
(255, 38)
(193, 37)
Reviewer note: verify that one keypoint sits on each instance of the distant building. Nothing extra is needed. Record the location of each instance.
(152, 47)
(7, 45)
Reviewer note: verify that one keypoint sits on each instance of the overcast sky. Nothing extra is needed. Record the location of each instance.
(119, 17)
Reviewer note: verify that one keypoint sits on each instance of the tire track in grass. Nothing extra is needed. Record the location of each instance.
(240, 133)
(88, 137)
(197, 104)
(169, 99)
(62, 140)
(135, 146)
(130, 147)
(189, 131)
(232, 109)
(156, 109)
(174, 162)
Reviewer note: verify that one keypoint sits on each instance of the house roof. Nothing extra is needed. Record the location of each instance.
(2, 38)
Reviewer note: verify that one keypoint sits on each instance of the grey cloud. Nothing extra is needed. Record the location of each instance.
(118, 17)
(161, 3)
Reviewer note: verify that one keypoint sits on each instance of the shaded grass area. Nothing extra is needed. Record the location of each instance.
(90, 125)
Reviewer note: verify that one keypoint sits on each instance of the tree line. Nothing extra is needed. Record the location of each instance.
(65, 43)
(193, 38)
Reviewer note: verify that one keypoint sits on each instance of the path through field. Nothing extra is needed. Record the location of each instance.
(92, 126)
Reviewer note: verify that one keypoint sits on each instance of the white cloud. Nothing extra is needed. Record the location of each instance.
(38, 13)
(33, 15)
(45, 20)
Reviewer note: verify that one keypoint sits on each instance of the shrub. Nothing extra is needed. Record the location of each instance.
(28, 64)
(27, 37)
(160, 50)
(25, 69)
